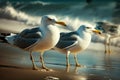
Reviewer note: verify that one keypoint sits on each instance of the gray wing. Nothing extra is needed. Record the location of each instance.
(67, 40)
(27, 37)
(31, 33)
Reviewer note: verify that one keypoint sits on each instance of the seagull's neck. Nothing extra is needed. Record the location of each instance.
(80, 32)
(50, 35)
(44, 28)
(50, 31)
(43, 25)
(84, 35)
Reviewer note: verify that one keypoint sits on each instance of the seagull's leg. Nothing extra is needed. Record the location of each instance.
(76, 60)
(109, 46)
(42, 61)
(67, 58)
(33, 62)
(105, 45)
(76, 69)
(67, 61)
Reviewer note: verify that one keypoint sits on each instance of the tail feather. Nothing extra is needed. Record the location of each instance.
(10, 38)
(3, 36)
(2, 39)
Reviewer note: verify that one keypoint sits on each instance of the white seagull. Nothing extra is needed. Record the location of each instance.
(109, 31)
(38, 39)
(75, 42)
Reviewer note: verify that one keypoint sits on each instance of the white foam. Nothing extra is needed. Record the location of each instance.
(40, 2)
(10, 13)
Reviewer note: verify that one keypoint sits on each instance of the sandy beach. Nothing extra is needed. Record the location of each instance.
(16, 65)
(8, 26)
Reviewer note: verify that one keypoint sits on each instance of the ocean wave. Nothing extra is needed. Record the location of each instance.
(11, 13)
(31, 5)
(97, 11)
(74, 19)
(40, 2)
(76, 14)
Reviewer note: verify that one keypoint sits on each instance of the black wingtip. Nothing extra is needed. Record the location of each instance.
(3, 36)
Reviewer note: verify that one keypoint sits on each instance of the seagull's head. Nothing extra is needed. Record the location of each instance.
(88, 29)
(100, 25)
(51, 20)
(103, 23)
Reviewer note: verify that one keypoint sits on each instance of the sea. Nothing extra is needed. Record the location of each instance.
(75, 12)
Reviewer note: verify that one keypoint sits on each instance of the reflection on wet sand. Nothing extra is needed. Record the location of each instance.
(75, 70)
(16, 65)
(108, 65)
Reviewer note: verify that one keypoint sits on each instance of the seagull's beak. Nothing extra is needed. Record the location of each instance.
(61, 23)
(97, 31)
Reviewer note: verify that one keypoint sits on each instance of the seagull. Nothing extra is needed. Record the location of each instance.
(75, 42)
(39, 39)
(109, 31)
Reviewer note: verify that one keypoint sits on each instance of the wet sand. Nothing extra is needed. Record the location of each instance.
(16, 65)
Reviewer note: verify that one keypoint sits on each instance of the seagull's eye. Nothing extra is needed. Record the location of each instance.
(88, 27)
(49, 19)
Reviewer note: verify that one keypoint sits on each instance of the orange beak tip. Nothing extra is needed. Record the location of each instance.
(61, 23)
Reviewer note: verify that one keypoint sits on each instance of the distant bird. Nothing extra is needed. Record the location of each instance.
(109, 31)
(38, 39)
(75, 42)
